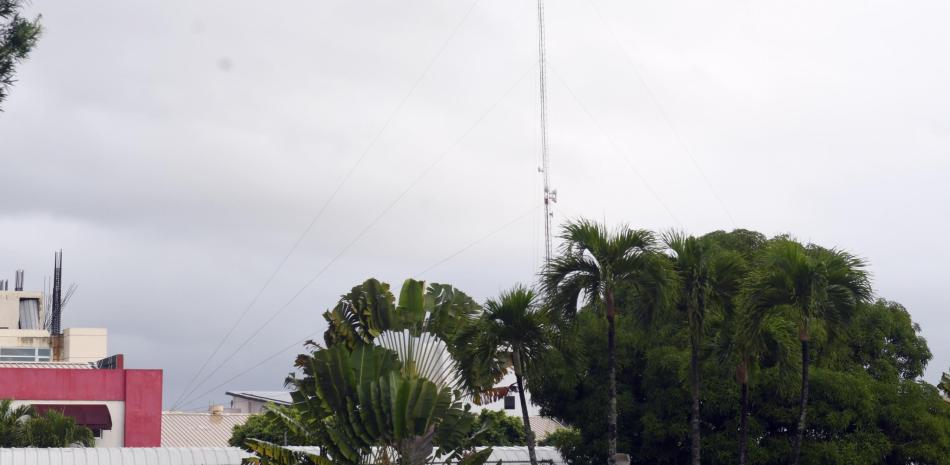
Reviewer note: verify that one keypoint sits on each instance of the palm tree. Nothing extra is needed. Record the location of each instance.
(817, 283)
(53, 429)
(12, 421)
(744, 339)
(387, 388)
(515, 325)
(598, 263)
(945, 384)
(708, 278)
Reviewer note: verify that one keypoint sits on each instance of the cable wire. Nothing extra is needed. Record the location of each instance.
(663, 113)
(333, 195)
(248, 370)
(369, 226)
(617, 149)
(479, 240)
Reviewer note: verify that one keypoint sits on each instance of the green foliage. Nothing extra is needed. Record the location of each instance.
(596, 265)
(514, 328)
(571, 445)
(382, 391)
(867, 403)
(270, 427)
(53, 429)
(945, 384)
(18, 36)
(12, 422)
(22, 427)
(498, 429)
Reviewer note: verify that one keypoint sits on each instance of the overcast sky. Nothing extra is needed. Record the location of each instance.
(176, 151)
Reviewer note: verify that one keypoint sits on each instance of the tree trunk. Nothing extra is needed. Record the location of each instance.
(529, 434)
(803, 403)
(694, 433)
(743, 375)
(611, 380)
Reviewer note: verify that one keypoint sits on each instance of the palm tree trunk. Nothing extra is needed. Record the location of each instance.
(743, 375)
(611, 380)
(695, 438)
(803, 402)
(529, 434)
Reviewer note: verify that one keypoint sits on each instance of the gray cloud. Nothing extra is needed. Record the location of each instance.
(177, 150)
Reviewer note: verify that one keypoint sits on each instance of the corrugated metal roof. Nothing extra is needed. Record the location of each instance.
(543, 426)
(124, 456)
(59, 365)
(277, 397)
(519, 455)
(201, 429)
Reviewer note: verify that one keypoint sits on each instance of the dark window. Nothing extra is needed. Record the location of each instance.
(509, 402)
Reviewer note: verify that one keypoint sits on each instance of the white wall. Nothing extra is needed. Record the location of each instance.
(110, 438)
(509, 379)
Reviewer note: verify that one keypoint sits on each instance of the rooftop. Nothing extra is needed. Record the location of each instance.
(199, 429)
(543, 426)
(124, 456)
(59, 365)
(277, 397)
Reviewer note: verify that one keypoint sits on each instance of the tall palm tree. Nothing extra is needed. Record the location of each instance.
(597, 263)
(818, 283)
(744, 339)
(512, 324)
(708, 279)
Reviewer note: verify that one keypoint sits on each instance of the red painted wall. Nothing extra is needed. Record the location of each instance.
(143, 408)
(61, 384)
(140, 389)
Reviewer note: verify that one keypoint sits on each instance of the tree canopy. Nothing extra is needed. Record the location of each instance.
(22, 427)
(18, 35)
(867, 404)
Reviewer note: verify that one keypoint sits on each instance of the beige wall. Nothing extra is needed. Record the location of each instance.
(24, 338)
(79, 344)
(10, 307)
(85, 344)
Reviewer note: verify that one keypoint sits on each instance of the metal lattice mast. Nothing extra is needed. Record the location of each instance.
(550, 195)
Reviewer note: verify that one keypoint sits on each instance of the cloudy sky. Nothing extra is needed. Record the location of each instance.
(176, 151)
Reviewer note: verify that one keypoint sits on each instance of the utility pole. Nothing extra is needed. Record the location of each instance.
(550, 195)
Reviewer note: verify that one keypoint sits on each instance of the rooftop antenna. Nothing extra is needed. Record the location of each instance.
(550, 196)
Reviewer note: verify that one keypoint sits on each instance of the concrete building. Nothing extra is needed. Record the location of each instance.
(254, 401)
(70, 371)
(121, 406)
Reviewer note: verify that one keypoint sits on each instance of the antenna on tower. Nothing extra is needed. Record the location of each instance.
(550, 196)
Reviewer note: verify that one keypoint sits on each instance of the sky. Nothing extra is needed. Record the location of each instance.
(177, 151)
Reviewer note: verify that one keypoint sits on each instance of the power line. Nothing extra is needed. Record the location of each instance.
(479, 240)
(248, 370)
(333, 195)
(663, 113)
(617, 149)
(369, 226)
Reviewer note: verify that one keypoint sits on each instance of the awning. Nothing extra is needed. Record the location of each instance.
(93, 416)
